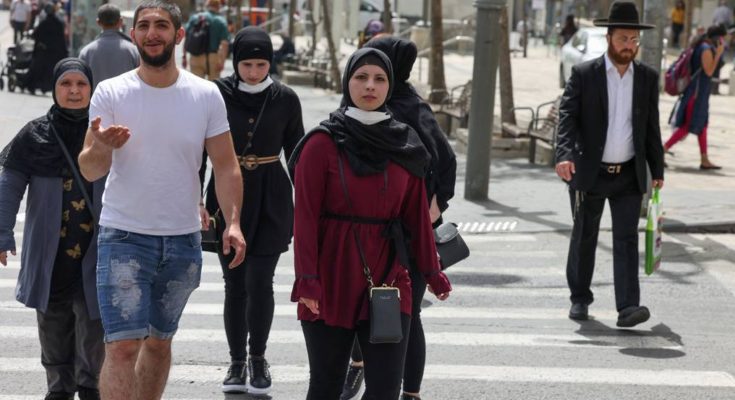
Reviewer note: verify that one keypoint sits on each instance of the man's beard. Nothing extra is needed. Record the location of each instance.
(159, 60)
(622, 58)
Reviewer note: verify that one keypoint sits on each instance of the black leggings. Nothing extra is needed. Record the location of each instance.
(413, 371)
(249, 303)
(329, 352)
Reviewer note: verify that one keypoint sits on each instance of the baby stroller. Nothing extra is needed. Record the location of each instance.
(18, 64)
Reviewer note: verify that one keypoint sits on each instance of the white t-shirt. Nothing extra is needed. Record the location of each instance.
(20, 11)
(153, 187)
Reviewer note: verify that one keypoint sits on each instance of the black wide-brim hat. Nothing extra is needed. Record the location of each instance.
(623, 14)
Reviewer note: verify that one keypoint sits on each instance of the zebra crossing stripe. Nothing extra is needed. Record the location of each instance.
(200, 374)
(437, 311)
(463, 339)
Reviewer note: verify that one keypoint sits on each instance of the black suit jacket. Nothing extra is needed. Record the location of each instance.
(583, 123)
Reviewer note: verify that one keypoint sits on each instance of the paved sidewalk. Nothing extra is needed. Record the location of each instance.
(694, 200)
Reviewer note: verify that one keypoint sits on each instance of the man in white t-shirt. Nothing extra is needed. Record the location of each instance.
(20, 18)
(148, 131)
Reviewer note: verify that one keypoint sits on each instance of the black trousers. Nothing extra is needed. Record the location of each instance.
(72, 347)
(18, 30)
(413, 371)
(329, 351)
(621, 191)
(249, 303)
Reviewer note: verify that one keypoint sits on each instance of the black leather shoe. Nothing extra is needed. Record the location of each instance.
(578, 312)
(59, 396)
(86, 393)
(632, 316)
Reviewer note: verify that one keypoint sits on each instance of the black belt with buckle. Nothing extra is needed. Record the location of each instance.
(614, 169)
(251, 161)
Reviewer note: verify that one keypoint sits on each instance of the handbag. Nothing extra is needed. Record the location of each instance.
(450, 245)
(654, 224)
(212, 237)
(384, 300)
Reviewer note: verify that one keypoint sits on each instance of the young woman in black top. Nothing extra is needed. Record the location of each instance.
(265, 119)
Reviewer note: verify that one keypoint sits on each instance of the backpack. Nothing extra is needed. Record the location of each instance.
(197, 37)
(679, 74)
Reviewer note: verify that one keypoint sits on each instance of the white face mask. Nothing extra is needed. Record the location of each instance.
(252, 89)
(366, 117)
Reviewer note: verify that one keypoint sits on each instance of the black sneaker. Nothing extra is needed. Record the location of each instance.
(410, 397)
(86, 393)
(260, 376)
(353, 383)
(59, 396)
(235, 380)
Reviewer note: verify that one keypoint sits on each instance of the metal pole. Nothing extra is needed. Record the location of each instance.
(484, 74)
(652, 39)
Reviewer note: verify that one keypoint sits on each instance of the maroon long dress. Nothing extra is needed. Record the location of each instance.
(327, 261)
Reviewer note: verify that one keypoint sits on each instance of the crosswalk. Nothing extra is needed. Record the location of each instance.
(505, 325)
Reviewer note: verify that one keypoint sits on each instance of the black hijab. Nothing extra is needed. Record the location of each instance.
(402, 54)
(250, 43)
(35, 149)
(405, 101)
(369, 148)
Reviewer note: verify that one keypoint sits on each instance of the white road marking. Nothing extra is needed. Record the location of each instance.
(208, 374)
(463, 339)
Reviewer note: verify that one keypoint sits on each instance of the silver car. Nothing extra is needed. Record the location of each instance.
(588, 43)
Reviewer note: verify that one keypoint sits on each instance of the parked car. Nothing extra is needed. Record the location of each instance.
(588, 43)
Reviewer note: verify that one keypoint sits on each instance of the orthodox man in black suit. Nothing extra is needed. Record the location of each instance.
(608, 135)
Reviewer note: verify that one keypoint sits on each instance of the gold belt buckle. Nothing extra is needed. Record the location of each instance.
(249, 162)
(613, 169)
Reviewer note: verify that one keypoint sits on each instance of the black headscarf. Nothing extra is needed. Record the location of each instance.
(369, 148)
(251, 43)
(35, 149)
(402, 54)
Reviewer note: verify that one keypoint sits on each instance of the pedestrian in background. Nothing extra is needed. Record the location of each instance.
(207, 57)
(405, 105)
(722, 15)
(609, 136)
(265, 119)
(363, 170)
(569, 29)
(112, 53)
(20, 18)
(692, 113)
(49, 48)
(59, 255)
(149, 130)
(678, 15)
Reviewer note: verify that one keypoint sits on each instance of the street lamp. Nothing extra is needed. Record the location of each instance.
(482, 104)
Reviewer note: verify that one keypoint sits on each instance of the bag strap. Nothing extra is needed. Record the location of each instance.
(75, 172)
(363, 259)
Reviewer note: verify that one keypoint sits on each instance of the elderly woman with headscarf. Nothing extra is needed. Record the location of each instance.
(265, 119)
(48, 49)
(359, 186)
(59, 253)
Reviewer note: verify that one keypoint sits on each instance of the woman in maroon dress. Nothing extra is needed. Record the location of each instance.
(384, 163)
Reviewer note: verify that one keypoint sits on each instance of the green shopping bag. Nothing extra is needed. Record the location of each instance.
(653, 233)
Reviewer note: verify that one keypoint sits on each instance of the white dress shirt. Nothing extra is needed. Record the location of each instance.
(619, 142)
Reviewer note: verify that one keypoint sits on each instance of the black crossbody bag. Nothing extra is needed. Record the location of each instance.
(450, 245)
(212, 237)
(385, 300)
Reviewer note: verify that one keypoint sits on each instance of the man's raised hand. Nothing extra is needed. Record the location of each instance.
(112, 137)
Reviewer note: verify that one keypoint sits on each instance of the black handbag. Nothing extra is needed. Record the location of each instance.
(212, 238)
(450, 245)
(385, 300)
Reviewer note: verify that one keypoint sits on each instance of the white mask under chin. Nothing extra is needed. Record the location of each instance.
(366, 117)
(252, 89)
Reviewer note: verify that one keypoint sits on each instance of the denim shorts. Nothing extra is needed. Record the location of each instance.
(144, 282)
